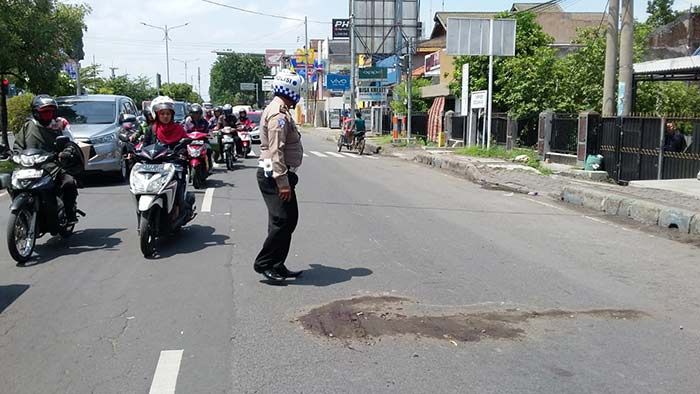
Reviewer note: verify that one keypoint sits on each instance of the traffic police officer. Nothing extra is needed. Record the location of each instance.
(281, 154)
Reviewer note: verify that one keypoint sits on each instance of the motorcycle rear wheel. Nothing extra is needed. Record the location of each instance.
(147, 232)
(18, 226)
(229, 160)
(361, 147)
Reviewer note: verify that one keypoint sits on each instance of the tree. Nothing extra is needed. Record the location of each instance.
(138, 89)
(660, 12)
(38, 37)
(530, 40)
(418, 104)
(583, 71)
(227, 74)
(181, 92)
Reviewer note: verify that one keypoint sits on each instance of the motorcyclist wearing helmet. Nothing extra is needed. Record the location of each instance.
(196, 123)
(215, 118)
(40, 132)
(243, 120)
(164, 129)
(227, 119)
(281, 155)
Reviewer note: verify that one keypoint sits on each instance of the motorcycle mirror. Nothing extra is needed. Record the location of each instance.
(127, 118)
(61, 142)
(185, 141)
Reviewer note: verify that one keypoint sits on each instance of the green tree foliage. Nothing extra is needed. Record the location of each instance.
(138, 89)
(582, 73)
(227, 74)
(181, 92)
(37, 38)
(418, 104)
(660, 12)
(531, 44)
(18, 110)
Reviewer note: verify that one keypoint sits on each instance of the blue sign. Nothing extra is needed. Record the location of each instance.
(338, 82)
(71, 69)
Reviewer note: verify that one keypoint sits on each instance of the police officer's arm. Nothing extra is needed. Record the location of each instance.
(277, 138)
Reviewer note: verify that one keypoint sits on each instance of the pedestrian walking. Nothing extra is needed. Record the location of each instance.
(281, 153)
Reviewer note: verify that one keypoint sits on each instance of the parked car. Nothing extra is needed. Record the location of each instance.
(254, 117)
(94, 122)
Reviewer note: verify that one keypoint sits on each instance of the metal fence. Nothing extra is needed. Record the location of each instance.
(564, 133)
(499, 128)
(633, 148)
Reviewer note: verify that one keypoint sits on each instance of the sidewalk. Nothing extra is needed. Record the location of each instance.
(650, 206)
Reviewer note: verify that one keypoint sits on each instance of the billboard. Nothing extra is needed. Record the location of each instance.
(372, 73)
(273, 57)
(337, 82)
(376, 24)
(341, 28)
(432, 64)
(371, 93)
(471, 37)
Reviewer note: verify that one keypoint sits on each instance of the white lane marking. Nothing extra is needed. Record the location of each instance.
(319, 154)
(350, 155)
(305, 155)
(165, 377)
(545, 204)
(370, 157)
(335, 154)
(208, 196)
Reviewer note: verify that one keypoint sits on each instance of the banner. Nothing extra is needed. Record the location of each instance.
(373, 73)
(432, 64)
(273, 57)
(337, 82)
(371, 93)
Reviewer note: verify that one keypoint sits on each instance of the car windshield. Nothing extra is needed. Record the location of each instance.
(254, 117)
(88, 112)
(180, 111)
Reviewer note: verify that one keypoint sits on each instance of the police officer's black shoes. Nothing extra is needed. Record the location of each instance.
(286, 273)
(273, 276)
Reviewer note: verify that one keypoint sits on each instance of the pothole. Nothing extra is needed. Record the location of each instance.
(376, 316)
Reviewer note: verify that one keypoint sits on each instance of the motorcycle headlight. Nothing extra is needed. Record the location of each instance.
(105, 139)
(149, 182)
(194, 152)
(17, 159)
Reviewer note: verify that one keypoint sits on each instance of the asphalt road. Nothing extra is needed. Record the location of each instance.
(91, 315)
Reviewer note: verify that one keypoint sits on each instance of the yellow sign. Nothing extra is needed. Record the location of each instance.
(364, 60)
(301, 56)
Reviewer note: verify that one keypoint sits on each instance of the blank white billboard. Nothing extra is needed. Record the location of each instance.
(469, 36)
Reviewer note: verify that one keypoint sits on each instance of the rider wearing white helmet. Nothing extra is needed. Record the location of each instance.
(281, 154)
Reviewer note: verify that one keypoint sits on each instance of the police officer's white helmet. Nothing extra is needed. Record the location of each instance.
(288, 84)
(162, 102)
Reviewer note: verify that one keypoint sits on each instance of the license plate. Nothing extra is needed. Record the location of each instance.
(151, 168)
(228, 139)
(198, 142)
(29, 173)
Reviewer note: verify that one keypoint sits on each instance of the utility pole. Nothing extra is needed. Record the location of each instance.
(409, 88)
(353, 59)
(308, 80)
(78, 88)
(490, 91)
(626, 48)
(610, 58)
(166, 30)
(199, 80)
(185, 63)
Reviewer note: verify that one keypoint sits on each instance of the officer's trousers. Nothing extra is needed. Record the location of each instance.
(282, 221)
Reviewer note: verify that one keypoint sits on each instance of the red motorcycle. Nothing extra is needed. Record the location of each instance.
(198, 158)
(244, 135)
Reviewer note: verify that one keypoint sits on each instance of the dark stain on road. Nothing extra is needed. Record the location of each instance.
(371, 317)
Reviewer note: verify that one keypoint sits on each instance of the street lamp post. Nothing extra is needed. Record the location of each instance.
(185, 63)
(166, 30)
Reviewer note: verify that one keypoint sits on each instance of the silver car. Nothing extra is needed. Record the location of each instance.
(94, 124)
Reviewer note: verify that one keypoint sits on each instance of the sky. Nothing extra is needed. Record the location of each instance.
(116, 37)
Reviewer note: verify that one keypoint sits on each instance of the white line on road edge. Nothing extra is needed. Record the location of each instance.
(165, 377)
(370, 157)
(350, 155)
(319, 154)
(208, 196)
(305, 155)
(335, 154)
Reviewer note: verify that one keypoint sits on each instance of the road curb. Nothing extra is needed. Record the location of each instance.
(459, 167)
(642, 211)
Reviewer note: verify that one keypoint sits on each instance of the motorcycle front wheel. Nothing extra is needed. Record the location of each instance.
(20, 243)
(147, 232)
(229, 160)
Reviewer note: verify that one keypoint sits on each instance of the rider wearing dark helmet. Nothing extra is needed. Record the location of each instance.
(37, 133)
(227, 119)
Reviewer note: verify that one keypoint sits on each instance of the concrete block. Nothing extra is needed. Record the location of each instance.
(612, 205)
(694, 228)
(594, 199)
(572, 195)
(676, 218)
(645, 212)
(598, 176)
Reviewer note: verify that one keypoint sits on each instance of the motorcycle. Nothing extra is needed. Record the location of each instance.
(244, 135)
(197, 152)
(158, 183)
(37, 208)
(352, 142)
(229, 146)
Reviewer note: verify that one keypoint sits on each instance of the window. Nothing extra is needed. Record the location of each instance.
(87, 112)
